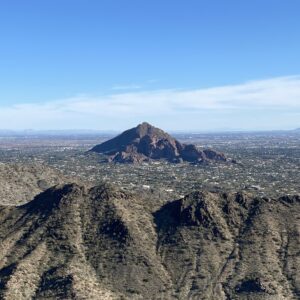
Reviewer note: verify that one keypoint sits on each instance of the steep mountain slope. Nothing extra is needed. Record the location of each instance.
(146, 142)
(20, 183)
(101, 243)
(231, 246)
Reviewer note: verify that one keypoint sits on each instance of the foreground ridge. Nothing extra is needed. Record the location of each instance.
(146, 142)
(72, 241)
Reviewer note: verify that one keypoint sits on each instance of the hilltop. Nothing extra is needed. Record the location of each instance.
(146, 142)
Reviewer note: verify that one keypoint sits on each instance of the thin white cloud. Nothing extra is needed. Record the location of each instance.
(228, 104)
(126, 87)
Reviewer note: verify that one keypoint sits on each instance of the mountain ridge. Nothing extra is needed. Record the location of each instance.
(74, 241)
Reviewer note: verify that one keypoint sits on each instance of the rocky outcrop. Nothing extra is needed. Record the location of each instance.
(146, 142)
(75, 242)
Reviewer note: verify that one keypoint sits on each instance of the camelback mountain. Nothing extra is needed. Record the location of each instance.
(146, 142)
(75, 242)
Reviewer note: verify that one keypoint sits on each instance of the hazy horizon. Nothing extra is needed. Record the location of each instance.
(29, 131)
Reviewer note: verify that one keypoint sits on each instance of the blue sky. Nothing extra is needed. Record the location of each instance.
(182, 65)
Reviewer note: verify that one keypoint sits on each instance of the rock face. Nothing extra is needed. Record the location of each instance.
(74, 242)
(146, 142)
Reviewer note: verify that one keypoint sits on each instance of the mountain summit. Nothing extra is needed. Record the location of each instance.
(146, 142)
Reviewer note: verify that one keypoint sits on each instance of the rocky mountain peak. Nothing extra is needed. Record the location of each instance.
(146, 142)
(58, 196)
(146, 129)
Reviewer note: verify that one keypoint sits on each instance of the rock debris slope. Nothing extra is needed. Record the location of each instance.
(19, 183)
(74, 242)
(146, 142)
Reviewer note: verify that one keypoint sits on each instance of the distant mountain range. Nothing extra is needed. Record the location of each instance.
(146, 142)
(72, 132)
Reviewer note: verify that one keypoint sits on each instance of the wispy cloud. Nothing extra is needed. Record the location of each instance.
(126, 87)
(265, 102)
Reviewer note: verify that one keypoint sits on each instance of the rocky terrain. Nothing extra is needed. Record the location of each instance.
(21, 182)
(76, 242)
(146, 142)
